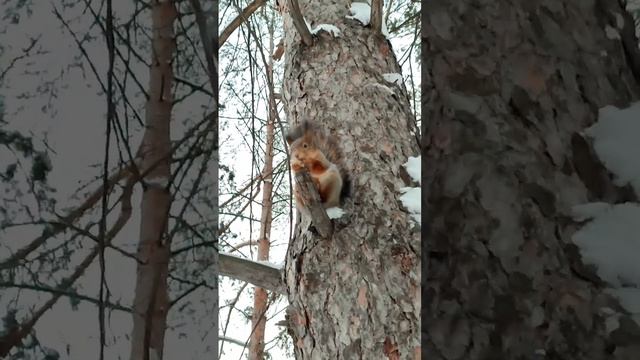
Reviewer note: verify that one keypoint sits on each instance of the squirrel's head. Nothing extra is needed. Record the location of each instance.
(303, 148)
(301, 141)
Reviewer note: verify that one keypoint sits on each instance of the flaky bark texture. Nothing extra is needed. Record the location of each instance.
(356, 294)
(509, 86)
(151, 297)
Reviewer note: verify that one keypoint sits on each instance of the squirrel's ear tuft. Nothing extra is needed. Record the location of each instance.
(289, 138)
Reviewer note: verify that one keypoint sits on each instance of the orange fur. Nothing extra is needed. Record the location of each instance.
(317, 167)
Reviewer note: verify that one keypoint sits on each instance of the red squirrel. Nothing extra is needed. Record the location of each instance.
(312, 148)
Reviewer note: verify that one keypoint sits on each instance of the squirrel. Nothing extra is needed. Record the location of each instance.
(312, 148)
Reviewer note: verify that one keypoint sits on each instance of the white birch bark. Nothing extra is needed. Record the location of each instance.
(151, 297)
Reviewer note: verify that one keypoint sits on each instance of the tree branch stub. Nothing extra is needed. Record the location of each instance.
(299, 23)
(255, 273)
(376, 16)
(312, 202)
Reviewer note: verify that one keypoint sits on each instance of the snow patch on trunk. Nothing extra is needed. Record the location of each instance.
(414, 168)
(611, 241)
(393, 78)
(331, 29)
(411, 196)
(159, 181)
(589, 211)
(616, 140)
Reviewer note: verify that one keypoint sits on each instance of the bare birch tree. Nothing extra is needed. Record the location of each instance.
(151, 300)
(179, 213)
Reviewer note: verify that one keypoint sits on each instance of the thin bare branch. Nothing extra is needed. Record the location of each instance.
(49, 232)
(16, 334)
(13, 337)
(127, 170)
(210, 50)
(25, 54)
(67, 293)
(243, 16)
(231, 340)
(232, 306)
(103, 295)
(237, 247)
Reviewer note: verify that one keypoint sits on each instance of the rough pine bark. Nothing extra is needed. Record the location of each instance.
(356, 294)
(509, 86)
(150, 304)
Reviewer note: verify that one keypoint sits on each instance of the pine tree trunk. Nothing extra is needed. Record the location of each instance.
(508, 88)
(151, 296)
(355, 295)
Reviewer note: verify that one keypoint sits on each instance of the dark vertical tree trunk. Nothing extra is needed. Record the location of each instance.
(355, 295)
(509, 87)
(151, 296)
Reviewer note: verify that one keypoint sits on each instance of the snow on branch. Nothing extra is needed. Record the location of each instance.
(362, 12)
(258, 273)
(299, 22)
(331, 29)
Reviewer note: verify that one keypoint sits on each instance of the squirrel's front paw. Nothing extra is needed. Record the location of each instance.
(296, 165)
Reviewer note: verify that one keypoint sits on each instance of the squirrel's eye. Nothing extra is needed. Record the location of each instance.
(305, 145)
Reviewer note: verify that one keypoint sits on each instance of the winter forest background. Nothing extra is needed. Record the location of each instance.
(56, 74)
(60, 142)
